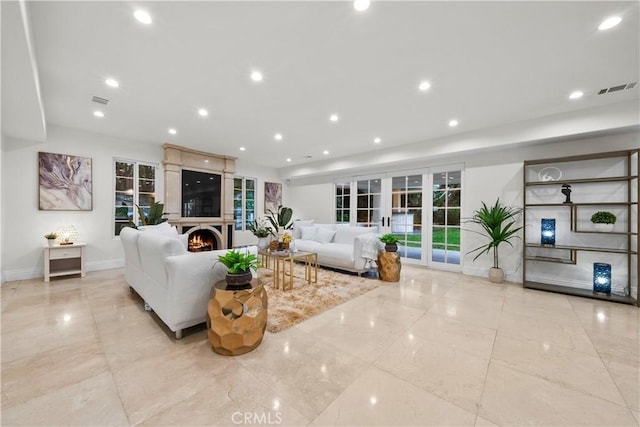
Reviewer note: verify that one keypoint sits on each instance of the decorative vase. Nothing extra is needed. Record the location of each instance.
(51, 242)
(391, 247)
(604, 227)
(238, 280)
(263, 242)
(496, 275)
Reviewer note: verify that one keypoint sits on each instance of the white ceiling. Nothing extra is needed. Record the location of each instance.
(489, 63)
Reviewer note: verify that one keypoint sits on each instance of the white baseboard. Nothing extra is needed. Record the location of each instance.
(34, 273)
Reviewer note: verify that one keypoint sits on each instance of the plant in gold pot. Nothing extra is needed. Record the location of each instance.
(498, 224)
(239, 267)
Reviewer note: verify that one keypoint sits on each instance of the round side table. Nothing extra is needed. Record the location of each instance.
(236, 317)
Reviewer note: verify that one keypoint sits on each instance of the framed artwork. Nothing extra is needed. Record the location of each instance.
(65, 182)
(272, 196)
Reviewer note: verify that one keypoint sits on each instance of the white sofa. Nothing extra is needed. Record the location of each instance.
(173, 282)
(338, 246)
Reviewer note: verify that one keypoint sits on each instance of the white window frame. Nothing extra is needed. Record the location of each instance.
(243, 201)
(136, 195)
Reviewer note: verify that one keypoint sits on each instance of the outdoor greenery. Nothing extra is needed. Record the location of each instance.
(603, 217)
(498, 224)
(238, 262)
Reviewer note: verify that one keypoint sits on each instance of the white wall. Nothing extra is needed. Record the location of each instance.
(312, 202)
(24, 225)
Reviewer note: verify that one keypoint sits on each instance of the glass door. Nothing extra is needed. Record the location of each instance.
(369, 203)
(445, 221)
(406, 215)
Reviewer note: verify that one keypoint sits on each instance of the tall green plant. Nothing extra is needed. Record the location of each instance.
(282, 218)
(499, 226)
(153, 218)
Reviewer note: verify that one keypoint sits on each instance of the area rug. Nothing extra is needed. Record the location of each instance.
(288, 308)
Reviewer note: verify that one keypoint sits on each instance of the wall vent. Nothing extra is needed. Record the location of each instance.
(617, 88)
(99, 100)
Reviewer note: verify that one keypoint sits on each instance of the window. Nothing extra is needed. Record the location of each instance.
(135, 184)
(343, 201)
(446, 217)
(244, 202)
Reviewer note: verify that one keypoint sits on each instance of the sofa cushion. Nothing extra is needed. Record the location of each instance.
(297, 234)
(347, 235)
(307, 233)
(307, 245)
(337, 255)
(323, 235)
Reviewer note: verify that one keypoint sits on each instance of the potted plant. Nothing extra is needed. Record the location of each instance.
(390, 242)
(603, 220)
(154, 217)
(280, 220)
(261, 231)
(498, 224)
(239, 266)
(51, 238)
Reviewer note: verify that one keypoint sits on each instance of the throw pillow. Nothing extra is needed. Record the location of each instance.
(307, 233)
(297, 234)
(323, 235)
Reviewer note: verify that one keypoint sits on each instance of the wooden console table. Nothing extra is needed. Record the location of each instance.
(63, 260)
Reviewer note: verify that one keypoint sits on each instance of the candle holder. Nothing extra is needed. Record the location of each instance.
(548, 231)
(601, 277)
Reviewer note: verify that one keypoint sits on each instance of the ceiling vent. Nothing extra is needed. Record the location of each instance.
(99, 100)
(308, 157)
(617, 88)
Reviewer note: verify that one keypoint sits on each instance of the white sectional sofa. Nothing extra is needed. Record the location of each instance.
(173, 282)
(338, 246)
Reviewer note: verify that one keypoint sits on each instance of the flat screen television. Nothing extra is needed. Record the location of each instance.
(201, 194)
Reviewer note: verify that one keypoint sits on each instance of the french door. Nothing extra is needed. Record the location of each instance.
(422, 208)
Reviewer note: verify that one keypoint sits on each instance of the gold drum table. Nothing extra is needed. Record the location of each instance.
(236, 317)
(389, 266)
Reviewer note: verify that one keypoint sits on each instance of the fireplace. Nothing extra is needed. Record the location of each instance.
(203, 238)
(199, 196)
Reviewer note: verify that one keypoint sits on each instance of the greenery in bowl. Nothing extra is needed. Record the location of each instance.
(238, 262)
(603, 217)
(498, 225)
(389, 239)
(51, 236)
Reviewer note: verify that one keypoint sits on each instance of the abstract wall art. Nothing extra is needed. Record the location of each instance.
(65, 182)
(272, 196)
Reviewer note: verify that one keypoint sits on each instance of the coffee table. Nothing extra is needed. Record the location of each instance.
(282, 259)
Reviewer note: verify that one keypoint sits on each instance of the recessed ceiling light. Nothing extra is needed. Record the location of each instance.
(142, 16)
(610, 22)
(377, 140)
(334, 118)
(112, 82)
(288, 159)
(203, 112)
(424, 86)
(278, 137)
(98, 113)
(172, 131)
(256, 76)
(325, 152)
(453, 123)
(242, 148)
(576, 94)
(361, 5)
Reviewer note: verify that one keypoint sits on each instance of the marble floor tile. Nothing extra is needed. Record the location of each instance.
(379, 399)
(419, 297)
(446, 330)
(627, 378)
(92, 402)
(616, 348)
(483, 312)
(572, 369)
(514, 398)
(571, 336)
(600, 317)
(481, 422)
(447, 372)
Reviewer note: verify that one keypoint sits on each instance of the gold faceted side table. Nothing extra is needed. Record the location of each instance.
(236, 317)
(389, 266)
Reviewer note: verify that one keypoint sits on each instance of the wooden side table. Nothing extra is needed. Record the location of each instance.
(236, 318)
(389, 266)
(62, 260)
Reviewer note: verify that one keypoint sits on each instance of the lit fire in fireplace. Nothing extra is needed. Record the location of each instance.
(199, 242)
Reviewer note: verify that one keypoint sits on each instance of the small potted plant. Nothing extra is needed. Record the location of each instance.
(51, 238)
(603, 220)
(239, 266)
(390, 242)
(261, 231)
